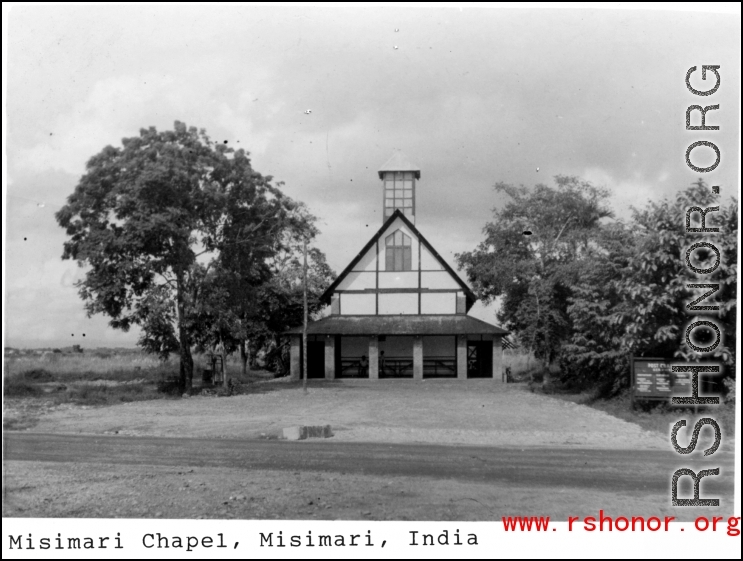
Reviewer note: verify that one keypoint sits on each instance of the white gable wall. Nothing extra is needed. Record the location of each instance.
(368, 291)
(439, 303)
(438, 279)
(368, 262)
(358, 281)
(428, 261)
(398, 279)
(396, 303)
(358, 304)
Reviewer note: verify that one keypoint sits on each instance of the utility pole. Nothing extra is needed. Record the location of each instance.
(304, 328)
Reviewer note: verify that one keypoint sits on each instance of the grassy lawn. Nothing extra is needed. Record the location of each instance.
(34, 385)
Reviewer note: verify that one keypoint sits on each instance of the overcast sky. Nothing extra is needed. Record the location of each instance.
(472, 96)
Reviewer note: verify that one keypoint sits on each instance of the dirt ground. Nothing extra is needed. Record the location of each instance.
(478, 412)
(83, 490)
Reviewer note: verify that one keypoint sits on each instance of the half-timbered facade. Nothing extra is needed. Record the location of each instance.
(398, 309)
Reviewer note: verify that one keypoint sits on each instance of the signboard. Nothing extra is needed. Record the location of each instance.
(652, 379)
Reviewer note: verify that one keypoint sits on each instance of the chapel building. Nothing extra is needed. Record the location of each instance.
(398, 310)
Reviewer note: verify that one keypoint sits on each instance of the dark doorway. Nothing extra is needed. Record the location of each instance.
(315, 359)
(479, 359)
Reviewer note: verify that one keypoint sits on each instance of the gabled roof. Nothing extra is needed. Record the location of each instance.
(399, 162)
(450, 324)
(471, 298)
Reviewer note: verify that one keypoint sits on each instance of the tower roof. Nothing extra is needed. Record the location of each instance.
(399, 162)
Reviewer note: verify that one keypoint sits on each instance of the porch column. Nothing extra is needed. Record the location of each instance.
(498, 359)
(418, 357)
(373, 357)
(330, 357)
(462, 357)
(295, 365)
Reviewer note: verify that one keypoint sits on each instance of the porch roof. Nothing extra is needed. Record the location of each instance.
(400, 325)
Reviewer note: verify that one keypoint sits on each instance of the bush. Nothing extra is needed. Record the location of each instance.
(37, 375)
(20, 388)
(169, 386)
(88, 395)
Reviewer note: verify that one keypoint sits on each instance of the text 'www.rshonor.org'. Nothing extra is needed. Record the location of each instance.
(606, 523)
(693, 307)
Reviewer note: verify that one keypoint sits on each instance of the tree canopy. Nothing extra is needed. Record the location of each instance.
(169, 225)
(586, 291)
(529, 257)
(633, 299)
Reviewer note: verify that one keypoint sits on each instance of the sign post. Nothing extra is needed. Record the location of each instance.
(653, 380)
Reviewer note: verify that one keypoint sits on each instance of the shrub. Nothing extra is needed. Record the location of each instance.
(37, 375)
(20, 388)
(170, 386)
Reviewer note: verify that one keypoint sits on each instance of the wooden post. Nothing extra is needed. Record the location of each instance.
(223, 354)
(304, 327)
(632, 380)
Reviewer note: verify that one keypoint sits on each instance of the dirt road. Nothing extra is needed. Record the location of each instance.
(137, 476)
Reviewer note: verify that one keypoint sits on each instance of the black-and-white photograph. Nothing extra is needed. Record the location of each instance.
(437, 263)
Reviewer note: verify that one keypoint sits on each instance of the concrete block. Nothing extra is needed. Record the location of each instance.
(294, 433)
(303, 432)
(319, 431)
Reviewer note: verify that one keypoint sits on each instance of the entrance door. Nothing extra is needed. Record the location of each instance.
(315, 359)
(479, 359)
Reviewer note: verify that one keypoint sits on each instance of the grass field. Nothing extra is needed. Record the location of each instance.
(34, 384)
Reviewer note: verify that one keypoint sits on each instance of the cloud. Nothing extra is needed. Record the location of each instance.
(113, 109)
(42, 308)
(472, 96)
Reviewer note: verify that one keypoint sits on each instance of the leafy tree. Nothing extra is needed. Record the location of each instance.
(152, 218)
(282, 297)
(252, 317)
(633, 299)
(529, 257)
(596, 353)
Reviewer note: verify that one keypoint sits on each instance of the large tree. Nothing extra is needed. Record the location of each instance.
(151, 219)
(530, 255)
(633, 299)
(252, 316)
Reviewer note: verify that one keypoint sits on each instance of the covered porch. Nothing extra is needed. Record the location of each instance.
(415, 347)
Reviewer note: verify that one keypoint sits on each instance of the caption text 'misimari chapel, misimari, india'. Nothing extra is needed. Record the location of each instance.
(398, 310)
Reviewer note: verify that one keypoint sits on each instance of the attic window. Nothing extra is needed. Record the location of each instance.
(398, 255)
(398, 192)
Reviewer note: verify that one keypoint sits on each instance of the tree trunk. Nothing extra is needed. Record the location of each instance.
(244, 356)
(546, 379)
(223, 353)
(184, 340)
(304, 325)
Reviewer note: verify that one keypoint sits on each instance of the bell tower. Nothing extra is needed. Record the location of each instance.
(399, 176)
